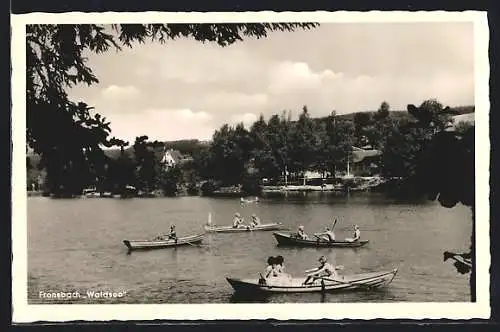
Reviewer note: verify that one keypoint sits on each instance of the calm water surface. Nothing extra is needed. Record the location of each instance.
(76, 245)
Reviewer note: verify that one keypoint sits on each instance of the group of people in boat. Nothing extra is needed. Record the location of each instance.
(328, 234)
(239, 221)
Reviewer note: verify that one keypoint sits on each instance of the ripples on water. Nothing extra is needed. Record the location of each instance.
(77, 245)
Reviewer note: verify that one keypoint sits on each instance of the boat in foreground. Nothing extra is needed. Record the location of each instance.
(245, 228)
(163, 242)
(363, 281)
(288, 239)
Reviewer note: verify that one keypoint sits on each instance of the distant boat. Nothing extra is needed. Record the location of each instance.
(249, 200)
(90, 193)
(163, 242)
(246, 228)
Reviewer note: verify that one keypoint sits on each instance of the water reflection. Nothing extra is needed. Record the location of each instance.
(249, 298)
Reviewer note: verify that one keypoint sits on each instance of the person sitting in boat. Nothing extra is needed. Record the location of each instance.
(270, 272)
(255, 221)
(327, 235)
(324, 270)
(272, 269)
(173, 233)
(281, 268)
(237, 221)
(301, 234)
(357, 234)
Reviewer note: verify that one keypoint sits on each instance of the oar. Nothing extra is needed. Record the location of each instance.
(337, 267)
(197, 245)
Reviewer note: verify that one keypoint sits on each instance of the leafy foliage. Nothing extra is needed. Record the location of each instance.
(68, 135)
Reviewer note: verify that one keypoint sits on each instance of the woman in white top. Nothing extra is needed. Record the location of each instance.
(237, 220)
(357, 234)
(301, 234)
(255, 220)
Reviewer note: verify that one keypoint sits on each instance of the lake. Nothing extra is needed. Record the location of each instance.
(77, 245)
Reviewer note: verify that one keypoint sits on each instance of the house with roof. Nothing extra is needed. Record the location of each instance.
(468, 118)
(173, 158)
(364, 161)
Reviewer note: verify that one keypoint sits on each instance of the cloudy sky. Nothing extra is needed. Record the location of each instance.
(186, 89)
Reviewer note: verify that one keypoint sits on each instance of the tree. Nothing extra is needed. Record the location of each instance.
(168, 179)
(147, 164)
(382, 112)
(336, 144)
(230, 151)
(447, 173)
(304, 143)
(67, 135)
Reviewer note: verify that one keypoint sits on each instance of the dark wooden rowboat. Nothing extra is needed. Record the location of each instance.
(163, 243)
(288, 239)
(364, 281)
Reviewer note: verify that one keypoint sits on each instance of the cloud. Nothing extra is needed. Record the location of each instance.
(189, 87)
(115, 92)
(234, 101)
(295, 84)
(229, 64)
(247, 119)
(162, 124)
(288, 75)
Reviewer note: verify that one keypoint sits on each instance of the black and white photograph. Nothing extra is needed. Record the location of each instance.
(250, 165)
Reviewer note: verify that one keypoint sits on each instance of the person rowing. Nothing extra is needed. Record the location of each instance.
(301, 234)
(173, 233)
(237, 221)
(255, 221)
(357, 234)
(324, 270)
(327, 235)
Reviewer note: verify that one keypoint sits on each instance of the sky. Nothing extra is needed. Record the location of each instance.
(186, 89)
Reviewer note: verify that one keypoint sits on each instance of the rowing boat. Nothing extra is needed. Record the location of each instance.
(243, 228)
(287, 239)
(163, 242)
(249, 201)
(364, 281)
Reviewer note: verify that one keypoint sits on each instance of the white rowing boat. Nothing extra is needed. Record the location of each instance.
(243, 228)
(163, 242)
(295, 285)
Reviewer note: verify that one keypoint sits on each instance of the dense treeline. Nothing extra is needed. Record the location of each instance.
(269, 149)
